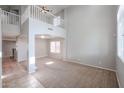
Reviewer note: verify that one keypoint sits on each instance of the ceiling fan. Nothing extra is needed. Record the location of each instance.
(45, 9)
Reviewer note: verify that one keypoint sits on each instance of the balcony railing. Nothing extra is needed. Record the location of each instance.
(9, 18)
(36, 13)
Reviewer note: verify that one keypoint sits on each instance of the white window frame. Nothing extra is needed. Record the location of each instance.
(53, 47)
(120, 42)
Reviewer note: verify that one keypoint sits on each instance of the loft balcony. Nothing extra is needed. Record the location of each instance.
(10, 24)
(42, 23)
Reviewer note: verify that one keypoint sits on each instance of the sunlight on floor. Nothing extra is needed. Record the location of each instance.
(4, 76)
(49, 63)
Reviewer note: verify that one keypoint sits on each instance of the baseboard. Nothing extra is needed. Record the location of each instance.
(42, 56)
(22, 60)
(118, 80)
(6, 57)
(78, 62)
(36, 58)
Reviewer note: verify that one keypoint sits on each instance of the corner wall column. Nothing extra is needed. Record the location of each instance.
(0, 52)
(31, 53)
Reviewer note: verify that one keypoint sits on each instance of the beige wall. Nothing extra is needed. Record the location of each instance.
(91, 35)
(7, 47)
(0, 54)
(41, 47)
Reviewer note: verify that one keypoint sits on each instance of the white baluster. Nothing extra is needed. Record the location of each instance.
(41, 15)
(38, 13)
(13, 20)
(33, 11)
(4, 15)
(9, 18)
(6, 18)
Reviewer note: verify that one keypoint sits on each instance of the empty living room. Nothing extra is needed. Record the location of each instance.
(61, 46)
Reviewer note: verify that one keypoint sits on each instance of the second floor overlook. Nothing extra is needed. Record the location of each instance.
(13, 16)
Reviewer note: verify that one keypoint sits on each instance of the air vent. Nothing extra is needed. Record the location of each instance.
(50, 29)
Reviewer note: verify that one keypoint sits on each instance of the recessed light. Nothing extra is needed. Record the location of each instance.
(49, 63)
(42, 36)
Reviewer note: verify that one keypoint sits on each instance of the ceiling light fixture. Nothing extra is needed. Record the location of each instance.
(42, 36)
(45, 9)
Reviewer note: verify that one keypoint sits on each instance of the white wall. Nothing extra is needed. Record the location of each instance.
(0, 54)
(22, 49)
(39, 27)
(120, 61)
(7, 47)
(9, 30)
(91, 35)
(41, 49)
(25, 29)
(22, 42)
(24, 13)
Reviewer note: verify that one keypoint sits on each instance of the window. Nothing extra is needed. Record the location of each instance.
(121, 44)
(57, 21)
(55, 47)
(120, 33)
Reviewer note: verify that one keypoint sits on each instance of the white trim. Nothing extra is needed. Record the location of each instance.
(5, 56)
(35, 57)
(6, 39)
(118, 80)
(41, 56)
(22, 60)
(30, 72)
(11, 13)
(78, 62)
